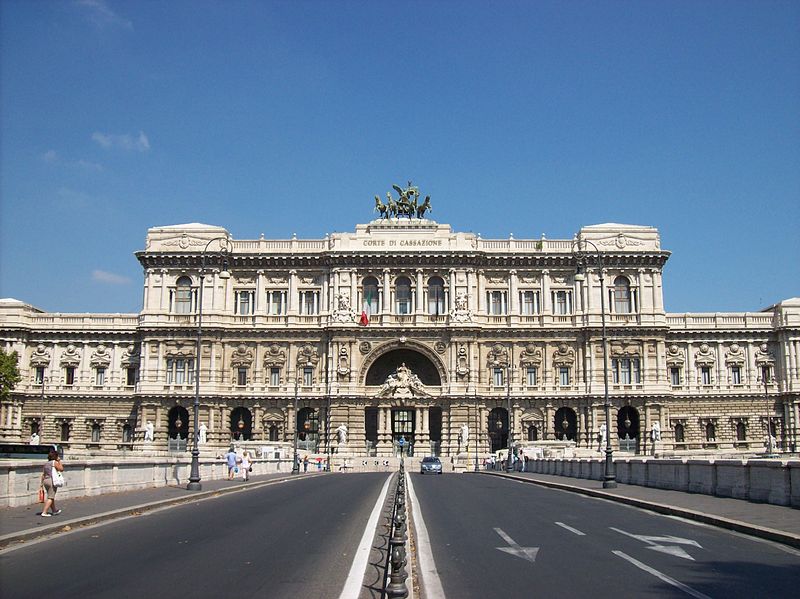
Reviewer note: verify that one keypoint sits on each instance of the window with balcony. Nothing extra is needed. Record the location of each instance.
(274, 377)
(498, 377)
(182, 297)
(531, 376)
(402, 294)
(622, 297)
(370, 297)
(675, 376)
(562, 302)
(436, 296)
(69, 376)
(529, 302)
(244, 302)
(180, 371)
(496, 302)
(625, 371)
(276, 302)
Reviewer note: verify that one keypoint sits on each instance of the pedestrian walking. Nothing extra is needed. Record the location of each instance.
(53, 463)
(305, 464)
(245, 466)
(230, 459)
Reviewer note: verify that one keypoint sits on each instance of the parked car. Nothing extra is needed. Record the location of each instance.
(430, 465)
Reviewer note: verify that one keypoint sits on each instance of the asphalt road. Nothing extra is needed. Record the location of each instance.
(294, 539)
(561, 544)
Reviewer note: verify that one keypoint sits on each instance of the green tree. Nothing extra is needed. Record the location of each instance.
(9, 372)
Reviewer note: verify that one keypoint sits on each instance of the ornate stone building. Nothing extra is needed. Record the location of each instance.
(406, 330)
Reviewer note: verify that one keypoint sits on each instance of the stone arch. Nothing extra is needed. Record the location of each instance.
(385, 359)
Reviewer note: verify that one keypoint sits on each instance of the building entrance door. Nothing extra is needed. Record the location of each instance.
(403, 430)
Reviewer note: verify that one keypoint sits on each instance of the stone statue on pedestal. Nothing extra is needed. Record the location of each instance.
(202, 434)
(149, 434)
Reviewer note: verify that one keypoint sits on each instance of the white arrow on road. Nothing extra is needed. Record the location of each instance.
(527, 553)
(665, 544)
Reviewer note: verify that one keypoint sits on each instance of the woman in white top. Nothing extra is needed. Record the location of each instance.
(245, 465)
(53, 461)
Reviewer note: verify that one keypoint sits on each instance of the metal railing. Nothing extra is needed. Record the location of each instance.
(396, 566)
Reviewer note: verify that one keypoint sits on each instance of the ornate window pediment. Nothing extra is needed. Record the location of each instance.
(71, 357)
(622, 349)
(307, 356)
(735, 355)
(242, 356)
(675, 356)
(101, 357)
(764, 357)
(564, 355)
(705, 356)
(179, 350)
(40, 356)
(130, 356)
(531, 356)
(275, 356)
(498, 356)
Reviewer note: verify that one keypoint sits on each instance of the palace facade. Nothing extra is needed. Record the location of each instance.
(404, 330)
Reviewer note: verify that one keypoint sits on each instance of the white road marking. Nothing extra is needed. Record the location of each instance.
(355, 578)
(655, 543)
(526, 553)
(569, 528)
(686, 589)
(429, 575)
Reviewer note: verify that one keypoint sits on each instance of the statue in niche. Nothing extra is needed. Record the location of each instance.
(149, 432)
(403, 383)
(341, 434)
(202, 434)
(463, 436)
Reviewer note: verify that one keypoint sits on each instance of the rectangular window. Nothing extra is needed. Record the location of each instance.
(496, 302)
(130, 376)
(274, 377)
(38, 375)
(625, 371)
(96, 434)
(69, 376)
(308, 376)
(276, 302)
(403, 299)
(675, 376)
(563, 376)
(245, 301)
(100, 376)
(562, 302)
(436, 300)
(736, 375)
(498, 377)
(705, 375)
(180, 371)
(241, 376)
(529, 302)
(309, 302)
(531, 377)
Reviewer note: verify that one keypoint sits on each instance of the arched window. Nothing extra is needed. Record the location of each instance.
(435, 296)
(402, 294)
(680, 435)
(183, 296)
(370, 296)
(622, 296)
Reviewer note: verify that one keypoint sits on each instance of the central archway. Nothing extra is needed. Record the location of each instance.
(417, 362)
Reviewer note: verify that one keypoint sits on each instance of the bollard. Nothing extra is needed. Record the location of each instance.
(397, 586)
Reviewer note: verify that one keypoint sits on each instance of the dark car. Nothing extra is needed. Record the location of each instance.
(430, 465)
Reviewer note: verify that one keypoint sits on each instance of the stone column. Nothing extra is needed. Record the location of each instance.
(513, 300)
(547, 304)
(387, 293)
(420, 293)
(481, 300)
(291, 301)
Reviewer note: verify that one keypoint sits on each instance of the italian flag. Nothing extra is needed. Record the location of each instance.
(364, 320)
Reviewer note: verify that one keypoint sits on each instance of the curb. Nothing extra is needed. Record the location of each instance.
(761, 532)
(134, 510)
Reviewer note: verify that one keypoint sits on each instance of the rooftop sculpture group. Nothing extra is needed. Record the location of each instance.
(407, 205)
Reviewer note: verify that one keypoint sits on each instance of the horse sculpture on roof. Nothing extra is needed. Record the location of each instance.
(406, 205)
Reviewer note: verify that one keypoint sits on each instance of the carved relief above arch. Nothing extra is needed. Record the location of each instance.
(404, 347)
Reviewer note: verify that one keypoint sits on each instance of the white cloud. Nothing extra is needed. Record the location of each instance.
(101, 276)
(123, 142)
(101, 15)
(50, 156)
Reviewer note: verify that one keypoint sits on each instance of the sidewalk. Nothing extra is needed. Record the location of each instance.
(24, 523)
(772, 522)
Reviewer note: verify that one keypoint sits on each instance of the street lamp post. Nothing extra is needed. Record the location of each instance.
(295, 461)
(581, 252)
(765, 378)
(224, 247)
(509, 460)
(477, 430)
(41, 416)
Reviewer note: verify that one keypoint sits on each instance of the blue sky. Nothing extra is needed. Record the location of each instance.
(288, 117)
